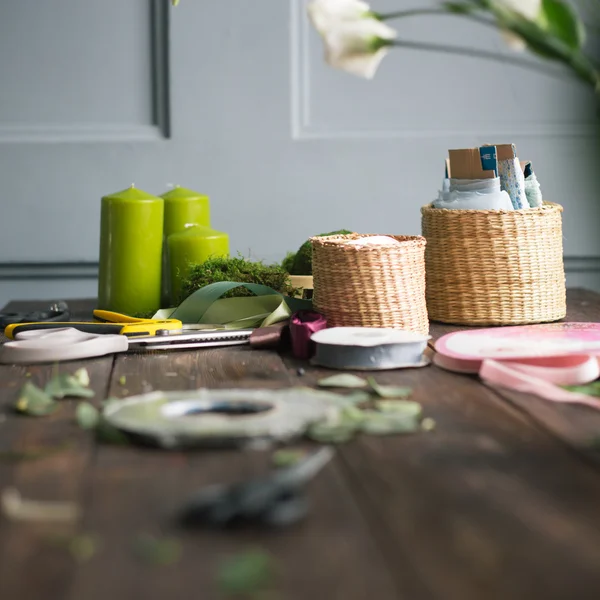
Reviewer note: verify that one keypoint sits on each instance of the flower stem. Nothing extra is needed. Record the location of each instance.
(474, 53)
(418, 12)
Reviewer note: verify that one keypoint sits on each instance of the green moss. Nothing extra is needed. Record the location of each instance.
(239, 270)
(288, 262)
(302, 263)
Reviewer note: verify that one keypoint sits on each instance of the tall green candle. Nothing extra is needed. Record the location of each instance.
(193, 246)
(183, 208)
(131, 241)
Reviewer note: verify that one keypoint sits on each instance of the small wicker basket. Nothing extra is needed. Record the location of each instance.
(370, 286)
(494, 267)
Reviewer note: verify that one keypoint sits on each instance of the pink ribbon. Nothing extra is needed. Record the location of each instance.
(302, 325)
(541, 376)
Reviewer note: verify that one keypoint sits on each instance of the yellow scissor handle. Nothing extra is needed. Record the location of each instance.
(108, 316)
(135, 326)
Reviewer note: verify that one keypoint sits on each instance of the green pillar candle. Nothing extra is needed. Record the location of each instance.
(193, 246)
(183, 208)
(131, 240)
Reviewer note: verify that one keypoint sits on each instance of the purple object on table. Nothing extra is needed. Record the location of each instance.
(302, 325)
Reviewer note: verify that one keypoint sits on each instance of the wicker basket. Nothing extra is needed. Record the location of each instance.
(370, 286)
(494, 267)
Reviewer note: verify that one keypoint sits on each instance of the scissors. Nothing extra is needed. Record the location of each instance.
(106, 322)
(59, 311)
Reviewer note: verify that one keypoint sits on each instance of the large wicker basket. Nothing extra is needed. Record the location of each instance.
(370, 286)
(494, 267)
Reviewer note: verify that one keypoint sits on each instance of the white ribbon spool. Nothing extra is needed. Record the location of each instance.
(66, 343)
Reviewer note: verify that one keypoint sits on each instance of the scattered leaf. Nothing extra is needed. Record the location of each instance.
(591, 389)
(107, 433)
(87, 416)
(287, 458)
(82, 377)
(354, 398)
(377, 423)
(122, 380)
(428, 424)
(331, 433)
(64, 385)
(246, 574)
(16, 508)
(157, 551)
(405, 407)
(351, 415)
(343, 380)
(389, 391)
(561, 20)
(34, 401)
(82, 547)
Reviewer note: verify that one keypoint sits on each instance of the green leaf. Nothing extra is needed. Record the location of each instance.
(405, 407)
(287, 458)
(376, 423)
(461, 8)
(122, 380)
(332, 433)
(343, 380)
(246, 574)
(107, 433)
(157, 551)
(591, 389)
(561, 20)
(82, 547)
(34, 402)
(354, 398)
(82, 377)
(87, 415)
(428, 424)
(389, 391)
(65, 385)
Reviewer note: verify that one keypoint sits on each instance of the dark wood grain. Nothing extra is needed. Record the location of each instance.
(493, 504)
(576, 426)
(58, 475)
(132, 490)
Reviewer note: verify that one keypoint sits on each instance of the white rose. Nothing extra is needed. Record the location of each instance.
(358, 47)
(530, 9)
(326, 13)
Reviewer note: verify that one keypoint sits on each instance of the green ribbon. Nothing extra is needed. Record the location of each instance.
(207, 306)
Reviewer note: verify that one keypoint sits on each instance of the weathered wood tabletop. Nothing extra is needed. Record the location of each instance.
(501, 501)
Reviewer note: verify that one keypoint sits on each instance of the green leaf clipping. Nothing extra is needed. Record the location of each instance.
(247, 574)
(591, 389)
(343, 380)
(65, 385)
(34, 401)
(287, 457)
(389, 391)
(157, 551)
(87, 415)
(561, 20)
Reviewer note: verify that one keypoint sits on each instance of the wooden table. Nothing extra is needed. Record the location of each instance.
(501, 501)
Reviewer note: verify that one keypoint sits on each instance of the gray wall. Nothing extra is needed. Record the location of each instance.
(232, 98)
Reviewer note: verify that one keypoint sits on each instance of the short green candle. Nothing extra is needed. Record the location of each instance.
(184, 208)
(193, 246)
(131, 241)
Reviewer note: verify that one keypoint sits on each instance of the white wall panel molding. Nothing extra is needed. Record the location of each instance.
(319, 102)
(117, 91)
